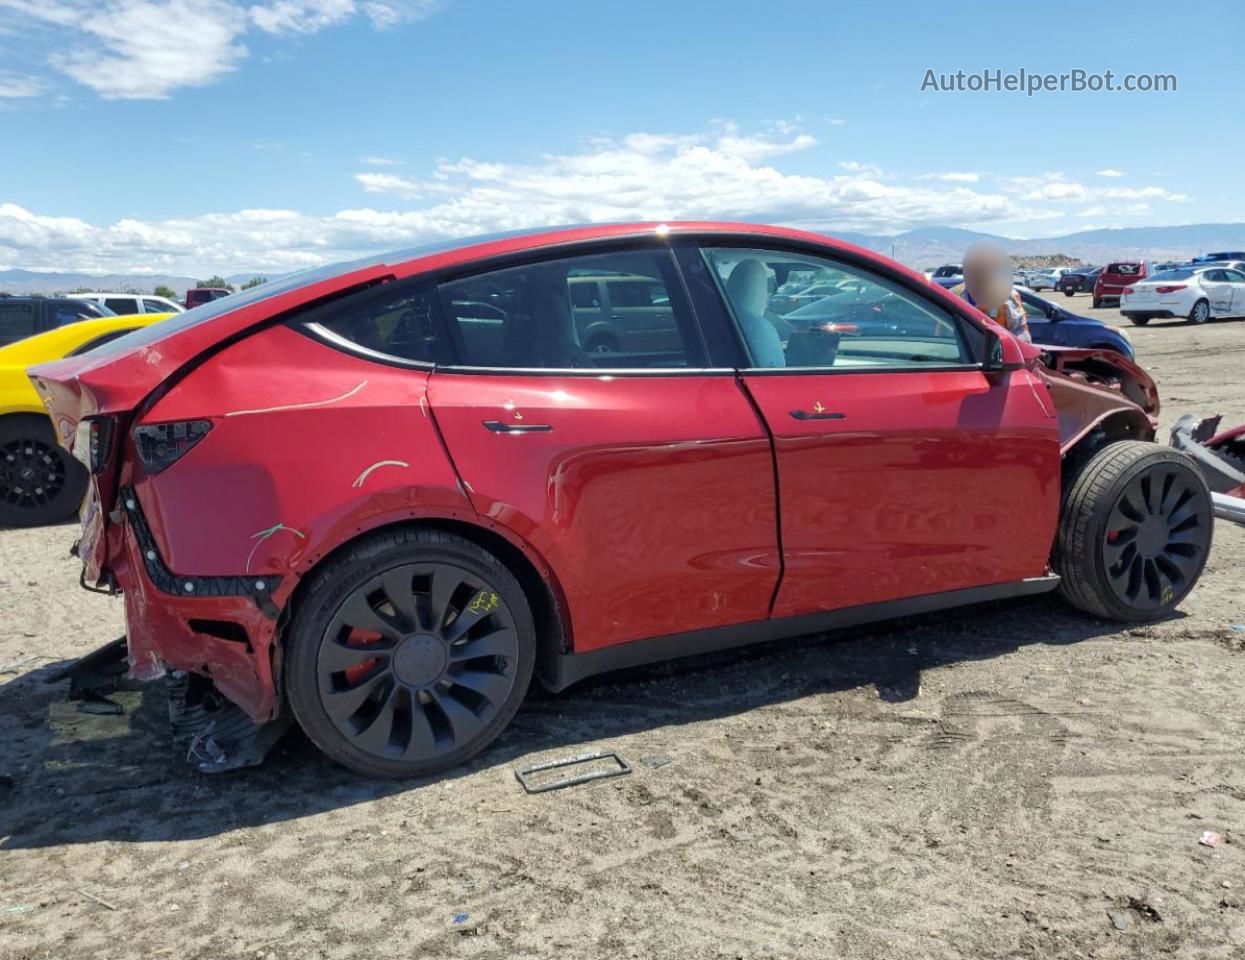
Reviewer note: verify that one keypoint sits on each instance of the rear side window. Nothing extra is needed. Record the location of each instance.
(394, 320)
(545, 316)
(62, 312)
(1124, 269)
(155, 306)
(17, 321)
(122, 305)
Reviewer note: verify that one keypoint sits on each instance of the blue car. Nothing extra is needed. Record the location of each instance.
(1051, 324)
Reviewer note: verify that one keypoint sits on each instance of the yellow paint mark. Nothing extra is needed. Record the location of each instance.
(818, 408)
(483, 602)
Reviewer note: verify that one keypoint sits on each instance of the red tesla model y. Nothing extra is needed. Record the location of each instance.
(379, 498)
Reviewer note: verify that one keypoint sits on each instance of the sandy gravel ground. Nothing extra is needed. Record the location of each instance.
(1012, 781)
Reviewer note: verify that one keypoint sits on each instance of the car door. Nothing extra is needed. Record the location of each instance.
(1236, 280)
(1218, 291)
(18, 320)
(642, 480)
(904, 468)
(1041, 318)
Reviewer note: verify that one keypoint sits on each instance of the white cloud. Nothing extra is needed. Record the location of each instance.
(375, 161)
(723, 175)
(147, 49)
(16, 85)
(837, 122)
(1057, 187)
(1110, 173)
(953, 177)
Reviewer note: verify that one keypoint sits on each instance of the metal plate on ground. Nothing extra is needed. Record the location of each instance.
(532, 784)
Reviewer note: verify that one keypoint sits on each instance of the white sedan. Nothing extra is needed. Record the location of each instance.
(1195, 293)
(1046, 279)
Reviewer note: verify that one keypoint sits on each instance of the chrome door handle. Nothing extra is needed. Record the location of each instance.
(498, 426)
(806, 415)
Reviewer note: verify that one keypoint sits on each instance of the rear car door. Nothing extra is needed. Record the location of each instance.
(1236, 280)
(904, 469)
(641, 478)
(122, 306)
(1218, 291)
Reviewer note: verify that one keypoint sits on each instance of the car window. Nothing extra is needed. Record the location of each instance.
(61, 312)
(538, 317)
(863, 320)
(1124, 269)
(99, 341)
(1167, 275)
(1215, 276)
(17, 320)
(396, 320)
(1234, 276)
(122, 305)
(1036, 308)
(155, 306)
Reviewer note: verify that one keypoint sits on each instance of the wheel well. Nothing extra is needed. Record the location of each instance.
(548, 615)
(1115, 426)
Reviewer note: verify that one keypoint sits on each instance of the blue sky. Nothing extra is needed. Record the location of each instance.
(205, 135)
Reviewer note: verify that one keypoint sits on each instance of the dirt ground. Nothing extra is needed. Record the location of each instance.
(1009, 781)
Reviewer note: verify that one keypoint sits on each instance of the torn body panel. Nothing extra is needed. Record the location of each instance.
(1220, 455)
(307, 450)
(1090, 387)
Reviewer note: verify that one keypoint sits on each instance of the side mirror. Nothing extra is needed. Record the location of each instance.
(1003, 352)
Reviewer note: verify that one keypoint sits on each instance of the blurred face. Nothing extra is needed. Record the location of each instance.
(988, 276)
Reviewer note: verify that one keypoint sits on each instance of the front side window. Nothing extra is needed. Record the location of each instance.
(155, 306)
(62, 312)
(845, 318)
(550, 315)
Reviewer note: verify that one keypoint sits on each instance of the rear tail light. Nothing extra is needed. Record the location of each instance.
(1171, 288)
(160, 445)
(92, 442)
(1129, 290)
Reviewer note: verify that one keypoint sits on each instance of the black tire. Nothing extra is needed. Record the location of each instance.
(1200, 312)
(1138, 321)
(601, 344)
(1134, 533)
(1097, 303)
(416, 700)
(40, 483)
(1069, 293)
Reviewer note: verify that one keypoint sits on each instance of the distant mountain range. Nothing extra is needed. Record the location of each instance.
(920, 248)
(20, 282)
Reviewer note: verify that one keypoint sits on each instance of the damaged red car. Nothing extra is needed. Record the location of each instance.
(379, 498)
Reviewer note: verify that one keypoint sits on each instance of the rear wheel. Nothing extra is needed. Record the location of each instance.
(411, 653)
(1097, 303)
(1138, 321)
(1069, 293)
(1135, 532)
(40, 482)
(1200, 312)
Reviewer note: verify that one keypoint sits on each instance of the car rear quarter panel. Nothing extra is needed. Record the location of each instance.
(309, 446)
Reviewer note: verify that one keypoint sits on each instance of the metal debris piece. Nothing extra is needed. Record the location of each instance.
(97, 674)
(1210, 839)
(17, 908)
(525, 776)
(653, 761)
(1119, 919)
(100, 900)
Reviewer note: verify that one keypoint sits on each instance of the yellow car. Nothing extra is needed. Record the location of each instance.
(39, 481)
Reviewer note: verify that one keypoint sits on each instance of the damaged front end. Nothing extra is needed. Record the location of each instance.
(1220, 455)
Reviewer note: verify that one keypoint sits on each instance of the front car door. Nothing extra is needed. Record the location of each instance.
(904, 468)
(643, 480)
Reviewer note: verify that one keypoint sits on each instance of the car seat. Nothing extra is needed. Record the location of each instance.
(747, 288)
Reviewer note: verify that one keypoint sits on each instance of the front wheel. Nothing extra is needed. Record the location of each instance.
(412, 651)
(1135, 532)
(1069, 293)
(1097, 303)
(1200, 312)
(40, 482)
(1138, 321)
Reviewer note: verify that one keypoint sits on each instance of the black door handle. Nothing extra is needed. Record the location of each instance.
(498, 426)
(805, 415)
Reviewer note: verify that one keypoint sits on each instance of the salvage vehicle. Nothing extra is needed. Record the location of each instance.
(1196, 294)
(1051, 324)
(347, 498)
(1078, 281)
(127, 303)
(1115, 277)
(39, 482)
